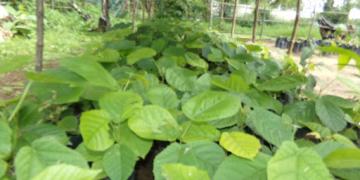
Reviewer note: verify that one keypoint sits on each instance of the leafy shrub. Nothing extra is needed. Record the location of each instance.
(202, 106)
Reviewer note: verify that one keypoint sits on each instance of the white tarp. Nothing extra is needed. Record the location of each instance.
(3, 12)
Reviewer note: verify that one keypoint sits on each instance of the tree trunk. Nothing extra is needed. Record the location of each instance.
(210, 13)
(234, 18)
(222, 8)
(105, 12)
(296, 27)
(134, 8)
(39, 35)
(256, 15)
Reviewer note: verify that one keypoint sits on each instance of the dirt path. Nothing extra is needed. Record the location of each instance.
(326, 72)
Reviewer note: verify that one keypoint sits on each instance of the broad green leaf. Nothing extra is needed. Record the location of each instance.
(255, 98)
(341, 102)
(163, 96)
(343, 60)
(198, 131)
(65, 171)
(94, 128)
(302, 111)
(88, 154)
(3, 168)
(235, 168)
(318, 128)
(282, 83)
(59, 75)
(119, 162)
(343, 158)
(92, 71)
(211, 105)
(6, 140)
(240, 144)
(348, 174)
(57, 93)
(183, 172)
(123, 135)
(139, 54)
(68, 123)
(9, 65)
(195, 60)
(326, 147)
(270, 126)
(291, 162)
(107, 55)
(180, 78)
(44, 152)
(121, 105)
(33, 132)
(201, 154)
(234, 83)
(154, 122)
(330, 115)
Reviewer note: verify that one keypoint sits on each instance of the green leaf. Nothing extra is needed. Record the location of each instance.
(201, 154)
(240, 144)
(234, 83)
(9, 65)
(57, 93)
(6, 140)
(180, 78)
(341, 102)
(183, 172)
(348, 174)
(270, 126)
(65, 171)
(343, 158)
(198, 131)
(291, 162)
(33, 132)
(211, 105)
(330, 115)
(255, 98)
(163, 96)
(119, 162)
(235, 168)
(92, 71)
(282, 83)
(121, 105)
(195, 60)
(107, 55)
(154, 122)
(139, 54)
(3, 168)
(123, 135)
(94, 128)
(302, 111)
(343, 61)
(326, 147)
(44, 152)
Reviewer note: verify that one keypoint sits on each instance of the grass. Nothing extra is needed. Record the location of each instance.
(271, 31)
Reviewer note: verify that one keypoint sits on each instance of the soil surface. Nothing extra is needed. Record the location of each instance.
(326, 72)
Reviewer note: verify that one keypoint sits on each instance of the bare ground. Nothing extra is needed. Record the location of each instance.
(326, 72)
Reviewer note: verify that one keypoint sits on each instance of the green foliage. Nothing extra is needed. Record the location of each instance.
(188, 99)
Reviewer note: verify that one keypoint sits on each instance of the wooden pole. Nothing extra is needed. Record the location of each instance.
(39, 35)
(105, 12)
(210, 13)
(134, 7)
(256, 15)
(234, 18)
(222, 8)
(296, 27)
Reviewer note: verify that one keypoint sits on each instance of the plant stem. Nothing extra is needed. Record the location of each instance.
(21, 101)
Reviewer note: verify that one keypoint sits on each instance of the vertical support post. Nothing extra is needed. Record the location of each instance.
(39, 35)
(234, 19)
(256, 15)
(296, 27)
(211, 14)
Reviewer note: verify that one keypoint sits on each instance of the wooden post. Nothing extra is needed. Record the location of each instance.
(296, 27)
(222, 9)
(256, 15)
(39, 35)
(210, 13)
(134, 7)
(105, 12)
(234, 18)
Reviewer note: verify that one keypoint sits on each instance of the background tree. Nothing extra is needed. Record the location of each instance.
(40, 35)
(256, 15)
(234, 18)
(296, 27)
